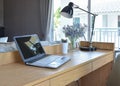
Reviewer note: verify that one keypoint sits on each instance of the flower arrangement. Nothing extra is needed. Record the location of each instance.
(74, 32)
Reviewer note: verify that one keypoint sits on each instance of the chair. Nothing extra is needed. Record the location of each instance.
(114, 78)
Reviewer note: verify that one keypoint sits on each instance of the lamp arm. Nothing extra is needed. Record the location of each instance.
(93, 20)
(84, 10)
(93, 23)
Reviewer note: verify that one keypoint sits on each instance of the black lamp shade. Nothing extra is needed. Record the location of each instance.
(67, 11)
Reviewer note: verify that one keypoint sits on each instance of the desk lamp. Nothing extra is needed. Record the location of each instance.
(68, 13)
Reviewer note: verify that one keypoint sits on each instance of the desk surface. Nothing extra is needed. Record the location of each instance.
(18, 74)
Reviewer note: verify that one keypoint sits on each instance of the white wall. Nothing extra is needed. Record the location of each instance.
(106, 21)
(98, 21)
(112, 21)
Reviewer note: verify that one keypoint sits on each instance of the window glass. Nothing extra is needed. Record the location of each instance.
(107, 22)
(60, 21)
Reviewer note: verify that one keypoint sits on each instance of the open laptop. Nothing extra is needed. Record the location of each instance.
(33, 54)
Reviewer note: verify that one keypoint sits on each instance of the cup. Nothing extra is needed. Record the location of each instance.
(65, 48)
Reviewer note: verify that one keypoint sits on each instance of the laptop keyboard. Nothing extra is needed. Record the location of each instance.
(46, 60)
(52, 61)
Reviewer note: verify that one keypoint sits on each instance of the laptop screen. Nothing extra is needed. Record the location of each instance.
(29, 46)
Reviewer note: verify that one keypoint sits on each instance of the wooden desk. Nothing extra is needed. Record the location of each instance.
(81, 64)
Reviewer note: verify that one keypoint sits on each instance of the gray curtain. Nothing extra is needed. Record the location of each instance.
(45, 19)
(49, 32)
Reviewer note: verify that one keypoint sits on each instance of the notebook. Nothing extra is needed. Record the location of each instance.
(33, 54)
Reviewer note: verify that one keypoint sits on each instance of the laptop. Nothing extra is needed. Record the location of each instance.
(33, 54)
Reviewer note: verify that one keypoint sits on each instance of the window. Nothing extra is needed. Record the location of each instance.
(60, 21)
(107, 22)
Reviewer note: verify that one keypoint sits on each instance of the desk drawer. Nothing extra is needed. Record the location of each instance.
(82, 71)
(70, 76)
(45, 83)
(102, 61)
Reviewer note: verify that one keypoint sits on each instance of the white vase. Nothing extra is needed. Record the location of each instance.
(64, 48)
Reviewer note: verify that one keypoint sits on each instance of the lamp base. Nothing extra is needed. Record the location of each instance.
(88, 48)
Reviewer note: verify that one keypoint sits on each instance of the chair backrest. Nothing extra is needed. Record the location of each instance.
(114, 78)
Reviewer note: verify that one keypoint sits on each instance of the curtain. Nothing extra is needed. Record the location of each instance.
(45, 19)
(49, 32)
